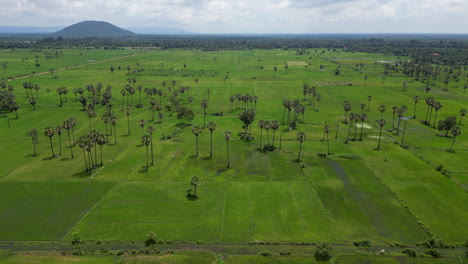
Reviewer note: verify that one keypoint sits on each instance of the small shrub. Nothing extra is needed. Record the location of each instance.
(439, 168)
(76, 240)
(434, 252)
(265, 253)
(285, 253)
(200, 242)
(433, 243)
(323, 251)
(411, 252)
(151, 239)
(362, 243)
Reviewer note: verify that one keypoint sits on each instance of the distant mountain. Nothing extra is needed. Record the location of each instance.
(28, 30)
(88, 29)
(158, 30)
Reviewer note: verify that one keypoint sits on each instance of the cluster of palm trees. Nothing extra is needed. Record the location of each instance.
(87, 142)
(314, 96)
(267, 125)
(50, 132)
(8, 100)
(298, 108)
(243, 102)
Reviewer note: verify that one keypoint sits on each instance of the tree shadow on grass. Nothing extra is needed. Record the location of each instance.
(47, 158)
(81, 174)
(143, 169)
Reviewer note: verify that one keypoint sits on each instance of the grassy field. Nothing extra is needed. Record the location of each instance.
(391, 195)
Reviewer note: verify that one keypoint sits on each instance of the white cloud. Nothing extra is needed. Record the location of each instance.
(254, 16)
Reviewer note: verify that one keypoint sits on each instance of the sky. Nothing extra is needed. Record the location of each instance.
(253, 16)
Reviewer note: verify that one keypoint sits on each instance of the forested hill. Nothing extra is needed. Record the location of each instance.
(89, 29)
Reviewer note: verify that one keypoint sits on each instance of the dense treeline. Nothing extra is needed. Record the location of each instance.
(437, 49)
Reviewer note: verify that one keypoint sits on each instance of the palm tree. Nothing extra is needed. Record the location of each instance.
(101, 140)
(232, 99)
(211, 127)
(437, 107)
(351, 119)
(394, 109)
(381, 123)
(400, 112)
(90, 113)
(35, 139)
(84, 144)
(462, 113)
(363, 106)
(58, 130)
(267, 126)
(33, 102)
(356, 118)
(142, 125)
(195, 181)
(327, 130)
(114, 123)
(204, 104)
(146, 140)
(456, 131)
(150, 130)
(127, 113)
(261, 124)
(382, 109)
(369, 98)
(274, 125)
(67, 126)
(363, 118)
(49, 132)
(15, 106)
(301, 137)
(197, 130)
(227, 137)
(347, 107)
(72, 122)
(416, 100)
(430, 105)
(123, 92)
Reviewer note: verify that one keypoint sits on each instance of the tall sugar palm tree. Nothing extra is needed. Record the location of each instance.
(73, 123)
(381, 123)
(50, 132)
(101, 140)
(150, 130)
(35, 139)
(369, 98)
(260, 125)
(394, 109)
(456, 131)
(33, 102)
(327, 130)
(197, 130)
(195, 181)
(211, 127)
(351, 119)
(58, 131)
(363, 118)
(204, 105)
(267, 126)
(127, 113)
(146, 140)
(382, 109)
(114, 123)
(346, 107)
(227, 137)
(437, 107)
(67, 126)
(301, 137)
(142, 125)
(415, 100)
(462, 114)
(274, 125)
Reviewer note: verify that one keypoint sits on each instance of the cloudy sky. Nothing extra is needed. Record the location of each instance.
(253, 16)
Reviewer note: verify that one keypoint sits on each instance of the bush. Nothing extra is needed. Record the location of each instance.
(76, 240)
(411, 252)
(150, 239)
(433, 243)
(362, 243)
(323, 251)
(434, 252)
(265, 253)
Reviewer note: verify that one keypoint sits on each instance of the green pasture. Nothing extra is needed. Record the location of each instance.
(358, 192)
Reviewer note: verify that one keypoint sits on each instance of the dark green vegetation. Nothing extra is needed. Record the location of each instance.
(283, 190)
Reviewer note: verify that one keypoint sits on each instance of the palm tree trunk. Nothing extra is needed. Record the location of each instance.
(274, 133)
(268, 137)
(147, 165)
(101, 153)
(95, 152)
(211, 145)
(459, 123)
(73, 134)
(453, 142)
(393, 121)
(115, 136)
(69, 141)
(362, 128)
(337, 125)
(380, 135)
(196, 137)
(204, 117)
(52, 147)
(349, 131)
(328, 146)
(414, 115)
(60, 145)
(91, 161)
(152, 116)
(128, 124)
(355, 131)
(34, 146)
(86, 162)
(284, 112)
(227, 150)
(430, 116)
(152, 159)
(435, 119)
(299, 154)
(261, 130)
(403, 136)
(398, 126)
(281, 135)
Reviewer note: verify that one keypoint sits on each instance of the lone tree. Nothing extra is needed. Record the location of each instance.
(146, 140)
(211, 128)
(227, 137)
(197, 130)
(456, 131)
(327, 130)
(247, 117)
(301, 137)
(346, 107)
(35, 139)
(150, 130)
(462, 114)
(50, 132)
(381, 123)
(195, 181)
(204, 105)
